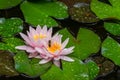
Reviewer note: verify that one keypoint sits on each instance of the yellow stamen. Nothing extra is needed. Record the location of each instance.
(54, 47)
(42, 36)
(36, 37)
(39, 36)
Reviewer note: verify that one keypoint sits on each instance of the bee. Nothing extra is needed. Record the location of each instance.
(49, 43)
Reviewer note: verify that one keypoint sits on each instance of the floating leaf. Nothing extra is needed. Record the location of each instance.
(9, 27)
(29, 67)
(10, 44)
(71, 70)
(87, 42)
(8, 3)
(111, 50)
(81, 12)
(113, 28)
(103, 10)
(42, 12)
(93, 69)
(7, 64)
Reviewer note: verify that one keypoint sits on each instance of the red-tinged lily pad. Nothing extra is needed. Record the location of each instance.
(7, 64)
(81, 12)
(87, 42)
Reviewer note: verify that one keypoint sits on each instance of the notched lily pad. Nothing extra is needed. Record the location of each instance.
(103, 10)
(71, 70)
(111, 50)
(30, 67)
(87, 42)
(7, 64)
(81, 12)
(9, 27)
(42, 12)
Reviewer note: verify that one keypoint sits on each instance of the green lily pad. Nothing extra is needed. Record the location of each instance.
(87, 43)
(29, 67)
(111, 50)
(9, 27)
(113, 28)
(10, 44)
(8, 3)
(7, 64)
(42, 12)
(103, 10)
(93, 69)
(71, 70)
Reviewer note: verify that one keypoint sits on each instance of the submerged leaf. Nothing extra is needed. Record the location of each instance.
(29, 67)
(7, 64)
(87, 43)
(111, 50)
(42, 12)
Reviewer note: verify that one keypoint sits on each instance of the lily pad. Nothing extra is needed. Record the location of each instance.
(113, 28)
(29, 67)
(81, 12)
(111, 50)
(87, 43)
(4, 4)
(103, 10)
(7, 64)
(71, 70)
(42, 12)
(10, 44)
(9, 27)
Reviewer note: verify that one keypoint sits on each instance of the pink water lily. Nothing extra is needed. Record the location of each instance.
(55, 50)
(35, 38)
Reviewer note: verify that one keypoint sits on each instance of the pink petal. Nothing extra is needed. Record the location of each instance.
(44, 29)
(25, 38)
(27, 48)
(39, 50)
(65, 43)
(67, 51)
(43, 61)
(57, 63)
(43, 51)
(66, 58)
(38, 29)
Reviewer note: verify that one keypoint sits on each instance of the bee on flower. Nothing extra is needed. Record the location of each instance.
(41, 44)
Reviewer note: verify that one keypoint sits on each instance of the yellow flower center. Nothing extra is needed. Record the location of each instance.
(39, 36)
(54, 47)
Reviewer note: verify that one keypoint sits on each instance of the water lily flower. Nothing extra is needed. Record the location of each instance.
(35, 38)
(55, 50)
